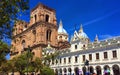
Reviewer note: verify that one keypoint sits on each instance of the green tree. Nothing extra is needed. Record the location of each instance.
(47, 70)
(22, 62)
(37, 65)
(4, 68)
(4, 50)
(9, 12)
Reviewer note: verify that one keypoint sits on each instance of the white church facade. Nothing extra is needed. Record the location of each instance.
(102, 56)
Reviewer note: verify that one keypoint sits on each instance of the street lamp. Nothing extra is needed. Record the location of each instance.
(86, 63)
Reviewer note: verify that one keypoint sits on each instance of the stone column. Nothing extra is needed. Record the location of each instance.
(111, 71)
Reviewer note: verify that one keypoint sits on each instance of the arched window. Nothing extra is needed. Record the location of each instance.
(116, 70)
(25, 26)
(48, 35)
(65, 71)
(35, 18)
(34, 33)
(69, 71)
(60, 37)
(106, 70)
(60, 71)
(23, 44)
(47, 18)
(76, 70)
(56, 71)
(91, 69)
(98, 70)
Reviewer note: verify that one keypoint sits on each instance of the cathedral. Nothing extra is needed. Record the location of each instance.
(102, 56)
(41, 30)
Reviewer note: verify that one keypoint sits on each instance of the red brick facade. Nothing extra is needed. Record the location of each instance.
(41, 29)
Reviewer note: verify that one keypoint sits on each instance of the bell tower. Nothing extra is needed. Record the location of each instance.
(43, 13)
(43, 20)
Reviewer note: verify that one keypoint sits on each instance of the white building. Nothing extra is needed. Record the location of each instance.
(103, 56)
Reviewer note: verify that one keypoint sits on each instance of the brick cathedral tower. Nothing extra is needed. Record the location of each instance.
(41, 30)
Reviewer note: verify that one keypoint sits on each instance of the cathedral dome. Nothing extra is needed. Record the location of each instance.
(61, 30)
(81, 33)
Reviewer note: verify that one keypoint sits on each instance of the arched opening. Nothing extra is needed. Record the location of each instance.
(60, 36)
(48, 35)
(84, 70)
(106, 70)
(69, 70)
(116, 70)
(34, 35)
(76, 71)
(60, 71)
(84, 46)
(35, 18)
(56, 72)
(47, 18)
(33, 53)
(65, 71)
(91, 69)
(98, 70)
(23, 44)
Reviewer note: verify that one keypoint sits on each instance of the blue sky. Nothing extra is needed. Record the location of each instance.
(101, 17)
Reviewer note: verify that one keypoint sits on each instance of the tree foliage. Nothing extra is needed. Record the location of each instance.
(21, 62)
(4, 50)
(9, 12)
(47, 70)
(27, 63)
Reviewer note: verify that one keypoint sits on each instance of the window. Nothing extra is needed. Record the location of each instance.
(76, 59)
(105, 55)
(69, 59)
(25, 26)
(34, 35)
(97, 56)
(83, 58)
(23, 44)
(56, 61)
(48, 35)
(114, 53)
(65, 37)
(60, 37)
(35, 18)
(53, 62)
(60, 60)
(90, 56)
(75, 46)
(47, 18)
(83, 45)
(65, 60)
(15, 41)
